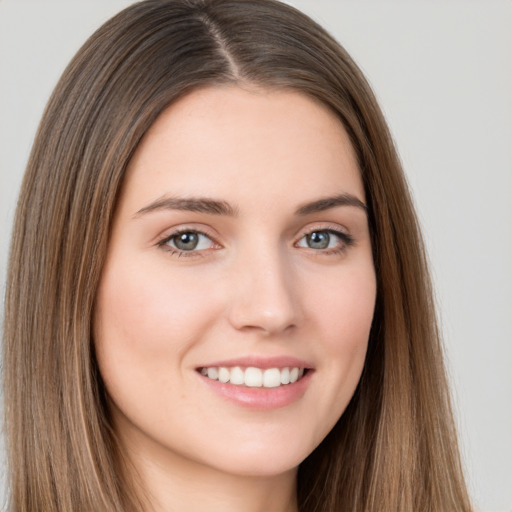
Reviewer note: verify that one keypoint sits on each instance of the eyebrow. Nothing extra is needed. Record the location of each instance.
(200, 205)
(219, 207)
(327, 203)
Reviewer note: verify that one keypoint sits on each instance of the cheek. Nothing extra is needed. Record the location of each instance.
(343, 318)
(144, 323)
(344, 310)
(152, 308)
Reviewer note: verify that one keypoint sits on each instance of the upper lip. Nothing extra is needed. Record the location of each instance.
(261, 362)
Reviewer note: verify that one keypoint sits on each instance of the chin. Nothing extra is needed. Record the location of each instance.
(263, 459)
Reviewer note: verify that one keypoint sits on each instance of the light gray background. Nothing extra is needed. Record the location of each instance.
(443, 74)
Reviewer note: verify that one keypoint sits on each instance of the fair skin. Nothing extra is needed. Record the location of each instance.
(223, 257)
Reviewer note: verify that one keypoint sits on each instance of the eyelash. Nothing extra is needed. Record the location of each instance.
(173, 251)
(346, 242)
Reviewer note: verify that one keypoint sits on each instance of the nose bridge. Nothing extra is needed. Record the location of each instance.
(265, 293)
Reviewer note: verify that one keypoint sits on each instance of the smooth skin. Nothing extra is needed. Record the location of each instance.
(243, 278)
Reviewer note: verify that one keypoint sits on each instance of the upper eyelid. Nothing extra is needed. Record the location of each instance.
(343, 235)
(181, 232)
(323, 226)
(171, 232)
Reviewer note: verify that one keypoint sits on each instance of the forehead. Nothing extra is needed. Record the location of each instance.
(245, 145)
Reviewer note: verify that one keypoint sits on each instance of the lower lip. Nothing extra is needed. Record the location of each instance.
(261, 398)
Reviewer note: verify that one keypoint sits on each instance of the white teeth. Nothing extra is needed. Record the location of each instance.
(271, 378)
(237, 376)
(254, 377)
(224, 375)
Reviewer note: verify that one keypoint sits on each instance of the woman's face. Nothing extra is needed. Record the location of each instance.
(235, 304)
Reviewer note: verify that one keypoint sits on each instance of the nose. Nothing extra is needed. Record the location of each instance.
(264, 294)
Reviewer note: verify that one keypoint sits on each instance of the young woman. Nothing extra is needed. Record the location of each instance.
(218, 296)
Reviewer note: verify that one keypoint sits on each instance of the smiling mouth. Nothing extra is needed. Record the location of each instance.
(254, 377)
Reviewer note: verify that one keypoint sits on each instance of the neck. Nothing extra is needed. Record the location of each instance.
(196, 488)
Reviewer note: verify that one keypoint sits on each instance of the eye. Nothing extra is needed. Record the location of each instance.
(325, 239)
(188, 241)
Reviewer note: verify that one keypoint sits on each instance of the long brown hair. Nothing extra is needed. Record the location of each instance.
(393, 449)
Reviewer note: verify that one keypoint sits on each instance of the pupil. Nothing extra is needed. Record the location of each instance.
(318, 240)
(186, 241)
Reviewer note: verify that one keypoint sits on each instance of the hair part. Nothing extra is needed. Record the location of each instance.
(394, 448)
